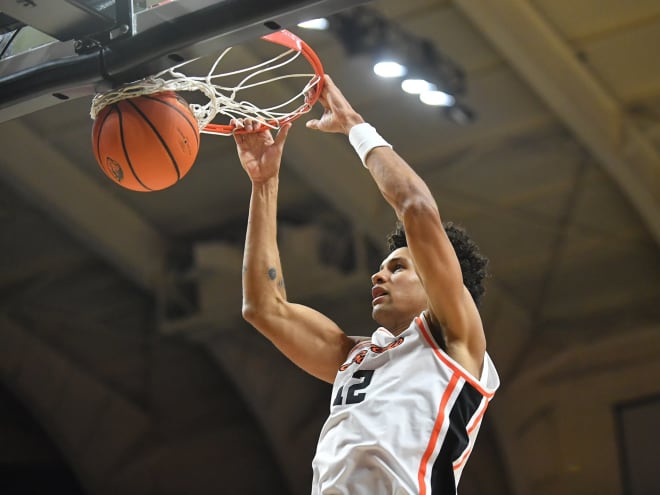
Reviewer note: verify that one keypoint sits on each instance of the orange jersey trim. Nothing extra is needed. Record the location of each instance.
(462, 459)
(473, 426)
(450, 363)
(478, 419)
(421, 474)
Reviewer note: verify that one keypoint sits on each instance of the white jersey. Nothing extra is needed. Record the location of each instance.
(403, 418)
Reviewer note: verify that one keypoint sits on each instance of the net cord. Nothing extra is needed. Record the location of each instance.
(222, 99)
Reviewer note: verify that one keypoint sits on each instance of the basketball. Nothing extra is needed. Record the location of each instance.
(146, 143)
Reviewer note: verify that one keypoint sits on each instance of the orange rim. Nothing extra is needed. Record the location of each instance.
(289, 40)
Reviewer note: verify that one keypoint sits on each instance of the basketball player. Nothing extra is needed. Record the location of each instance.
(407, 402)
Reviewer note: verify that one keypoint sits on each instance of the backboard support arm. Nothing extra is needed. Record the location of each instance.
(161, 38)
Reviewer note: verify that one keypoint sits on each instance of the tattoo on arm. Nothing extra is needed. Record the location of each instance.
(272, 275)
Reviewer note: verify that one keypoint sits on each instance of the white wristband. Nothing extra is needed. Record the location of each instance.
(364, 137)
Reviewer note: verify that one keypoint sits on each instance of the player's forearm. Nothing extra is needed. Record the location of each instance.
(263, 285)
(399, 184)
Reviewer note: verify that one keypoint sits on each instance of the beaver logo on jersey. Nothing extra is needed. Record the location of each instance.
(376, 349)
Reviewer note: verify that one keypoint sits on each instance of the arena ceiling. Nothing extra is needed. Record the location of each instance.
(123, 356)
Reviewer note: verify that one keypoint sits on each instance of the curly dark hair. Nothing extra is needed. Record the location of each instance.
(473, 263)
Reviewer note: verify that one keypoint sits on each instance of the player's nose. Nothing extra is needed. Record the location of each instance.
(378, 278)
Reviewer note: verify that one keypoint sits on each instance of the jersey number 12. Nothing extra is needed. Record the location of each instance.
(353, 393)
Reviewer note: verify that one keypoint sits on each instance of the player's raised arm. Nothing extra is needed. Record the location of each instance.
(436, 263)
(308, 338)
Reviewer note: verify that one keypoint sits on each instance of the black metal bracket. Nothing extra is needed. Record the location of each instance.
(160, 38)
(64, 20)
(123, 27)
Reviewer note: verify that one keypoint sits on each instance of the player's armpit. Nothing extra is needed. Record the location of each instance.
(308, 338)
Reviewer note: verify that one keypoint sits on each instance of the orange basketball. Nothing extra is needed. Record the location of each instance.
(146, 143)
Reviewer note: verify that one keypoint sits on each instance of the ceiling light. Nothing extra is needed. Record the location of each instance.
(437, 98)
(320, 24)
(390, 68)
(417, 86)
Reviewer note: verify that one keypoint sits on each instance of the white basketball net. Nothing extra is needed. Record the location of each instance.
(222, 99)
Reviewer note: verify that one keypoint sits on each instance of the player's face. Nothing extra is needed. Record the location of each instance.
(397, 293)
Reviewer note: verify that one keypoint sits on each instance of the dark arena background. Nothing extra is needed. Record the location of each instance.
(125, 365)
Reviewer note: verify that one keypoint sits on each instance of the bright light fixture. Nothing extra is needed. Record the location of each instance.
(417, 86)
(320, 24)
(390, 69)
(437, 98)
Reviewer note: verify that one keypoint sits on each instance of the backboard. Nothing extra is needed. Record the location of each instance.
(56, 50)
